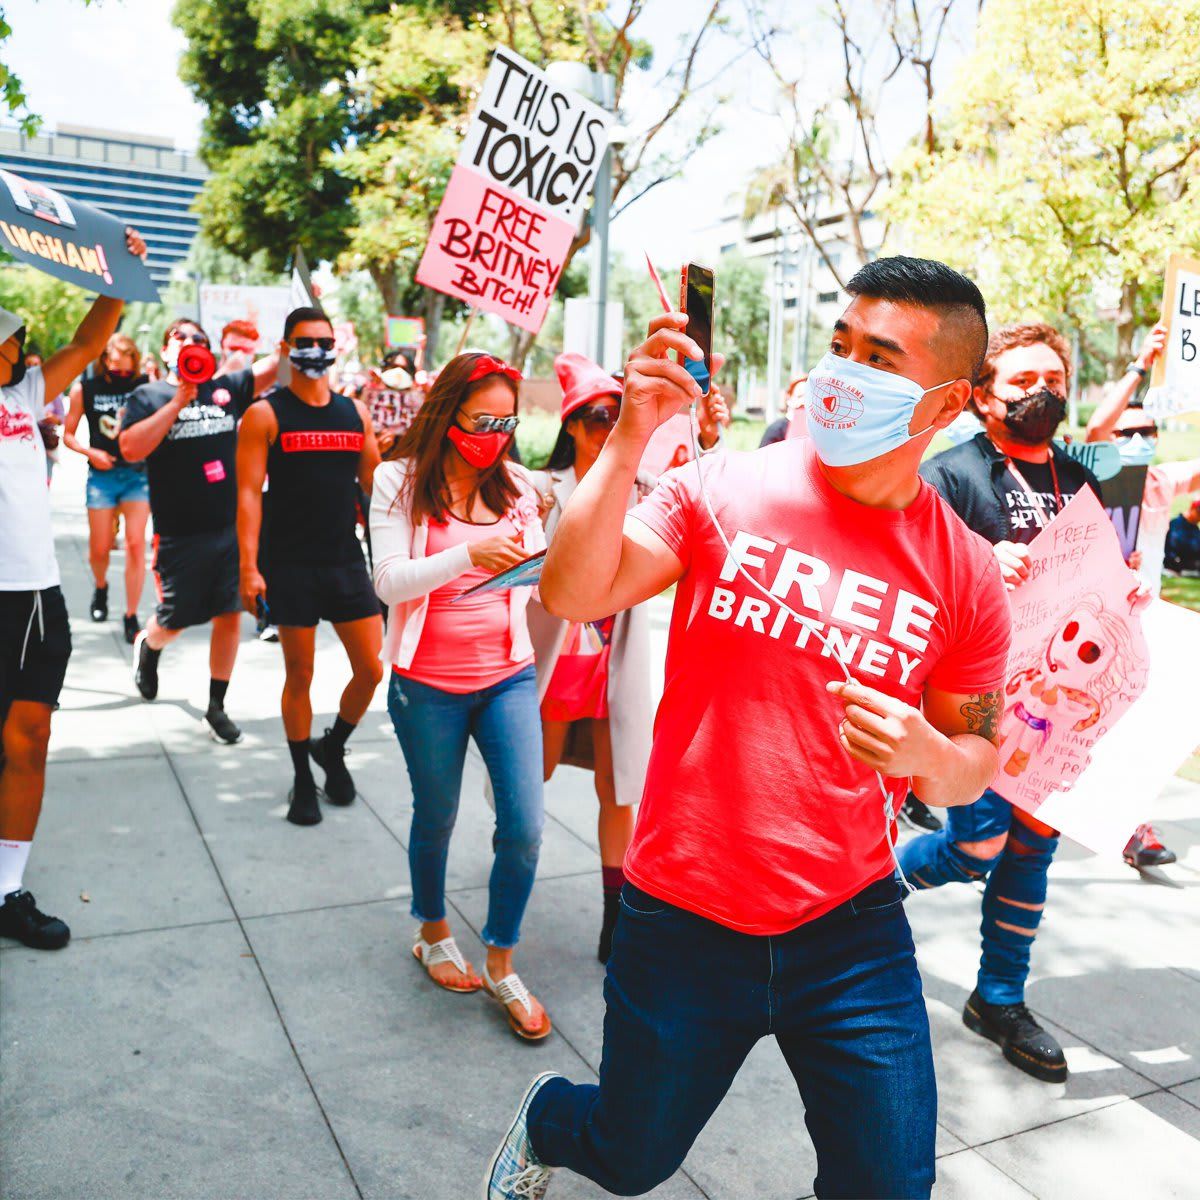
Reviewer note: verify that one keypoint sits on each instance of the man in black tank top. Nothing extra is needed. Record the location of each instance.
(315, 447)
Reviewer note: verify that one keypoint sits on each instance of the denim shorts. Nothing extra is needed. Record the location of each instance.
(120, 484)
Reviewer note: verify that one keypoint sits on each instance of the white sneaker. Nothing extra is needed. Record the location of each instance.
(514, 1172)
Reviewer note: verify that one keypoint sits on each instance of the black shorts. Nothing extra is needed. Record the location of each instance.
(196, 577)
(302, 595)
(34, 647)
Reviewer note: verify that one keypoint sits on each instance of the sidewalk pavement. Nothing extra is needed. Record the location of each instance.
(238, 1016)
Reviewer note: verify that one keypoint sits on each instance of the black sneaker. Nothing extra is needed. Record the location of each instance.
(303, 808)
(917, 816)
(21, 919)
(99, 609)
(132, 628)
(145, 667)
(220, 727)
(1015, 1030)
(339, 787)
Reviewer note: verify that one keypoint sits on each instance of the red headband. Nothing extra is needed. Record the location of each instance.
(487, 365)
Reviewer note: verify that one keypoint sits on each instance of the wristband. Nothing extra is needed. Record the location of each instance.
(1137, 369)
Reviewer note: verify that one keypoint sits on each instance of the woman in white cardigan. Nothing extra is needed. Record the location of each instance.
(448, 511)
(594, 680)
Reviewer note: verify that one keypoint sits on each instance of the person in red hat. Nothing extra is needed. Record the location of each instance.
(594, 678)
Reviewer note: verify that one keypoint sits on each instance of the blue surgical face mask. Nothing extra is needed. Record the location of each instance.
(1136, 451)
(857, 412)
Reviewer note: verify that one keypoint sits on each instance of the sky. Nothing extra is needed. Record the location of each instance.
(114, 65)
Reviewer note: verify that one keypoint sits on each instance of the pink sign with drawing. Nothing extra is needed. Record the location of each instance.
(1079, 659)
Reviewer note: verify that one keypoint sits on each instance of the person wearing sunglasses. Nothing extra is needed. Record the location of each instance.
(449, 510)
(187, 435)
(594, 678)
(318, 447)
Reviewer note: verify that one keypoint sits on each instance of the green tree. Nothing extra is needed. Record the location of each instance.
(52, 308)
(742, 313)
(1068, 162)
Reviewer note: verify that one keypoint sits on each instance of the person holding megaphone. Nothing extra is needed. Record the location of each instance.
(185, 428)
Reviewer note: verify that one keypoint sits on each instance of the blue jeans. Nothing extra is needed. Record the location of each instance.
(433, 727)
(120, 484)
(688, 999)
(1014, 896)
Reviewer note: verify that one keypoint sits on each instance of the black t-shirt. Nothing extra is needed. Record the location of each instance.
(312, 493)
(977, 482)
(103, 400)
(777, 431)
(191, 472)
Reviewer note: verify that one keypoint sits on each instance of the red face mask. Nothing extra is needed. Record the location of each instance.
(481, 450)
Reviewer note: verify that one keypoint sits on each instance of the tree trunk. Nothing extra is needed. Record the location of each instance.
(383, 275)
(519, 347)
(435, 303)
(1127, 321)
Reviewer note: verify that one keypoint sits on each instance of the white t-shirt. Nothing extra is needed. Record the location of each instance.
(27, 561)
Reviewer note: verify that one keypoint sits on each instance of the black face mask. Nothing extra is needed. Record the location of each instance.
(1032, 419)
(18, 371)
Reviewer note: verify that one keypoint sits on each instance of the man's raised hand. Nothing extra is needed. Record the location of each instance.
(656, 386)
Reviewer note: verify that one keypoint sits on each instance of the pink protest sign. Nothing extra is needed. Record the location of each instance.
(1079, 663)
(495, 251)
(528, 163)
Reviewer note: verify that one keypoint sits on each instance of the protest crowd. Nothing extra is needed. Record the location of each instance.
(917, 601)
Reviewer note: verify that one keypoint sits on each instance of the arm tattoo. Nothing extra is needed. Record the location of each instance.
(982, 714)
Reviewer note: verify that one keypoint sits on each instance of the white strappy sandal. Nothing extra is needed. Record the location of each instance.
(439, 952)
(510, 990)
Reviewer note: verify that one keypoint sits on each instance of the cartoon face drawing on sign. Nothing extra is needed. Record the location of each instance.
(1084, 677)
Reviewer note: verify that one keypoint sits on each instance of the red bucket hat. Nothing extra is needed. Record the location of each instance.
(582, 382)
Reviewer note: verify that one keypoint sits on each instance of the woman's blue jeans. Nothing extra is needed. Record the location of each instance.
(432, 727)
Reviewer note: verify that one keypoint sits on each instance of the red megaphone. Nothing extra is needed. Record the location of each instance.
(196, 364)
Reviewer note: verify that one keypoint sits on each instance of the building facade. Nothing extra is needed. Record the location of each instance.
(143, 181)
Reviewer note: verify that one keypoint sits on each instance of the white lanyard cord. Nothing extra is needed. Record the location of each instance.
(888, 811)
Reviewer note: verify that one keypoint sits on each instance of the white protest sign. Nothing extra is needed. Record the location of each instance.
(1090, 732)
(266, 308)
(511, 209)
(1175, 380)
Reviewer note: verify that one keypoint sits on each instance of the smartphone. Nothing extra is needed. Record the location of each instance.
(696, 299)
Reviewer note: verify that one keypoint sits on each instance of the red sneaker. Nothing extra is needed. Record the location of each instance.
(1145, 849)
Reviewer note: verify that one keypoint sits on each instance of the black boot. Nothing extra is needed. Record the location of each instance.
(20, 918)
(1015, 1030)
(612, 907)
(329, 755)
(303, 808)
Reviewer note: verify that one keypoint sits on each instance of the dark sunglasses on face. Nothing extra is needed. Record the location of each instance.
(490, 424)
(1146, 431)
(599, 416)
(307, 343)
(184, 339)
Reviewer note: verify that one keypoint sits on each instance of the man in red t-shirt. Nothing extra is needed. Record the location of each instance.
(837, 634)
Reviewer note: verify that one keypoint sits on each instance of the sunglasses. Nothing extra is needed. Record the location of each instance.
(1146, 431)
(192, 339)
(599, 416)
(310, 343)
(489, 424)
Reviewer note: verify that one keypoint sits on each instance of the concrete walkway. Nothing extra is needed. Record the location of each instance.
(238, 1016)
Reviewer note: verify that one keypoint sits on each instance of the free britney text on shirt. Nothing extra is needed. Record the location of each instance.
(753, 815)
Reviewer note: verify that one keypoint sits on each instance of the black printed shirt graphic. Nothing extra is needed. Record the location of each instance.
(191, 472)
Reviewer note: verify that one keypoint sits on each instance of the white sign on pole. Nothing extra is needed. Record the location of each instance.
(1175, 381)
(265, 307)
